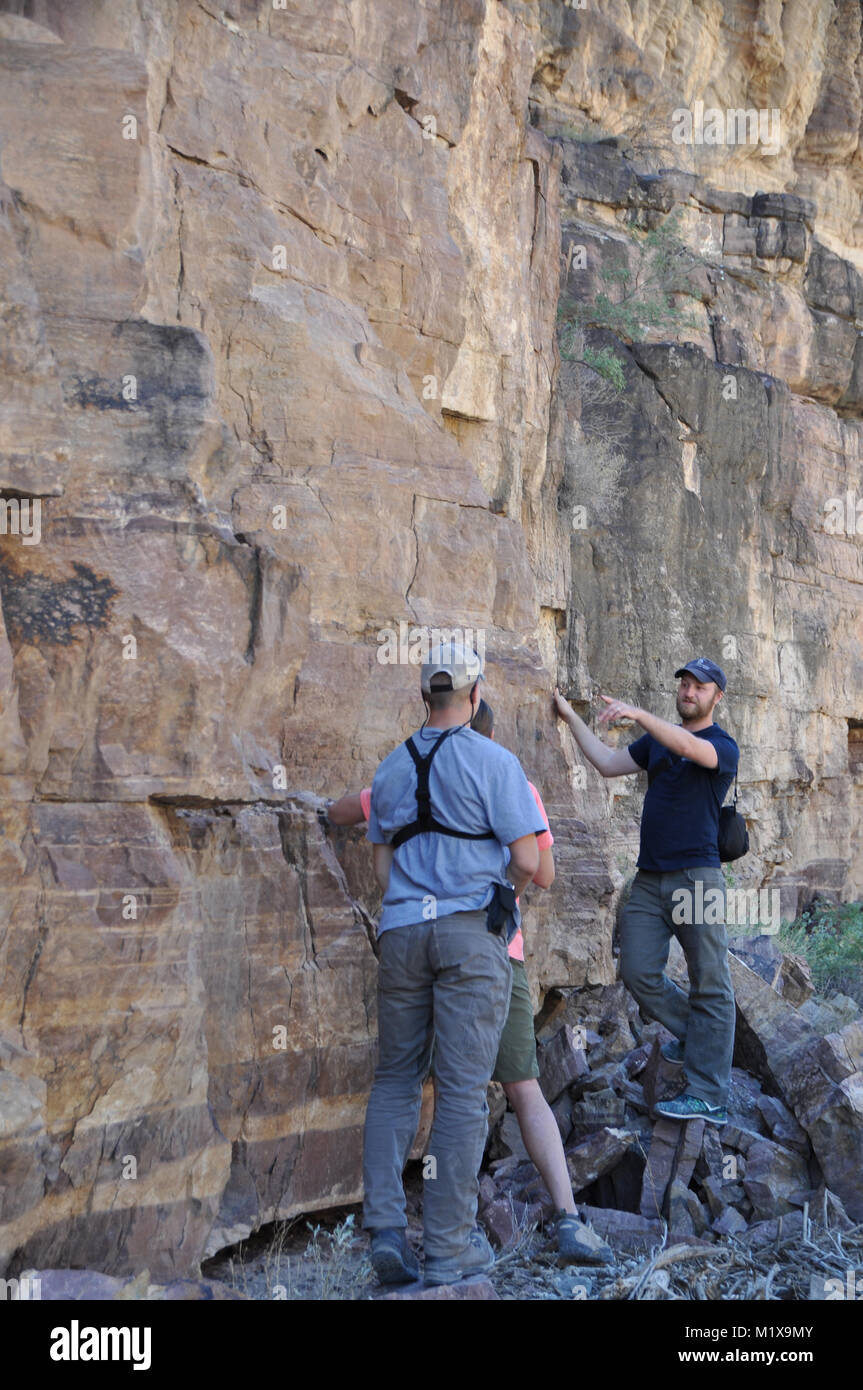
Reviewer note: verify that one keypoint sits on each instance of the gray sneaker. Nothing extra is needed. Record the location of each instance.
(393, 1261)
(578, 1243)
(476, 1258)
(672, 1052)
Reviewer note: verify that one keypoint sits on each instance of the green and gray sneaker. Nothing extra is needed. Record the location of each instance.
(672, 1052)
(687, 1107)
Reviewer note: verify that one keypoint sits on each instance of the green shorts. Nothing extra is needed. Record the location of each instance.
(516, 1053)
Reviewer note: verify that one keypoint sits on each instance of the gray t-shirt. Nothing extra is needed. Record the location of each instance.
(475, 785)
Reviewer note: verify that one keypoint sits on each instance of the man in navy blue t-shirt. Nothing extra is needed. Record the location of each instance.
(680, 886)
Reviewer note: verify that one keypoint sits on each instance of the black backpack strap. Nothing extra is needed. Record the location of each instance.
(721, 799)
(425, 820)
(423, 766)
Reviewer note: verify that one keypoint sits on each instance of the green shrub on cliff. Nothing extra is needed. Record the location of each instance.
(630, 304)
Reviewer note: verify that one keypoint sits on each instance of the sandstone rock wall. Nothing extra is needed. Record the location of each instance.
(280, 289)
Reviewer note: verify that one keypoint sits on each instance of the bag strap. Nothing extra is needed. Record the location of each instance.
(425, 819)
(423, 767)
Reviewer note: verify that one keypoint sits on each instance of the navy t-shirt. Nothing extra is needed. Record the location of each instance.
(680, 819)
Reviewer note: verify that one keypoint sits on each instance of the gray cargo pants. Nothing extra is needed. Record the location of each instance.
(447, 979)
(703, 1020)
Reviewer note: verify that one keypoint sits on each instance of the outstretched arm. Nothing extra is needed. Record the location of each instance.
(673, 736)
(347, 810)
(611, 762)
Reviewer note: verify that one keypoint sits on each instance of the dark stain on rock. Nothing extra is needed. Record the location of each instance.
(169, 363)
(38, 608)
(173, 384)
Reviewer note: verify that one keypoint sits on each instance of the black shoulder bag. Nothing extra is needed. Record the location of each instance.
(733, 838)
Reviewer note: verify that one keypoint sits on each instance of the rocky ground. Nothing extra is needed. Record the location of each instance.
(328, 1259)
(768, 1206)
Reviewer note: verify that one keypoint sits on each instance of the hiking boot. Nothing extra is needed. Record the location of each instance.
(672, 1052)
(687, 1107)
(393, 1261)
(578, 1243)
(476, 1258)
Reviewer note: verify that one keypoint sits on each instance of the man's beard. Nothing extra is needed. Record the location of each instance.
(696, 710)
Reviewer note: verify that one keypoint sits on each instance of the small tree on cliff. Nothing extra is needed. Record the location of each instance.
(629, 305)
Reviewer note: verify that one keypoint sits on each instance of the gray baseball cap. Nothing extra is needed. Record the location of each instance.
(453, 659)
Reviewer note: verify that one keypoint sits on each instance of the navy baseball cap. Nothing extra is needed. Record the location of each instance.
(703, 669)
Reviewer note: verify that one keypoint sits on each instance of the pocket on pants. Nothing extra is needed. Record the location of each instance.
(710, 874)
(707, 897)
(393, 946)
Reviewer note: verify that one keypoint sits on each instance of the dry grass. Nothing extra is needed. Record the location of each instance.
(728, 1271)
(334, 1266)
(330, 1263)
(734, 1272)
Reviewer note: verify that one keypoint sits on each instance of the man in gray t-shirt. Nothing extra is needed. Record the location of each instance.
(442, 972)
(471, 792)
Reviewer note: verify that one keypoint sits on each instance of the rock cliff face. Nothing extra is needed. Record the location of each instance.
(280, 311)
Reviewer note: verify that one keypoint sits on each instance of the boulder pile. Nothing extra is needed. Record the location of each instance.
(790, 1155)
